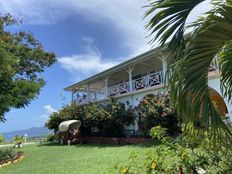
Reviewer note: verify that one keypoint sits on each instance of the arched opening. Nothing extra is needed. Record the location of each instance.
(219, 102)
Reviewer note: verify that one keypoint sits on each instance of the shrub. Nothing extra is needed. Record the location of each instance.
(8, 154)
(157, 110)
(191, 152)
(51, 138)
(109, 119)
(119, 116)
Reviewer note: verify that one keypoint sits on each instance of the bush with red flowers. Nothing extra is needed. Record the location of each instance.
(155, 110)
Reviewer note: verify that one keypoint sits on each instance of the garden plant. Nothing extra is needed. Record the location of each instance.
(9, 155)
(156, 110)
(191, 152)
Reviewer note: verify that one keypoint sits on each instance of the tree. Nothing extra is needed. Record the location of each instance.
(191, 55)
(23, 59)
(2, 138)
(18, 139)
(54, 121)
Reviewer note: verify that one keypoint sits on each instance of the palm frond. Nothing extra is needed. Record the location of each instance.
(225, 62)
(190, 77)
(169, 20)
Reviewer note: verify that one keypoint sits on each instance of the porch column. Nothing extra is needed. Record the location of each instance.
(88, 93)
(72, 99)
(106, 86)
(130, 70)
(164, 70)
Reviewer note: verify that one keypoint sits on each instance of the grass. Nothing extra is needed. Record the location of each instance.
(79, 159)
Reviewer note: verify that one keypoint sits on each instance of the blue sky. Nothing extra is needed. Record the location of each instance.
(88, 36)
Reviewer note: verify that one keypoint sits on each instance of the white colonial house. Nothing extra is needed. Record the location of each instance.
(133, 79)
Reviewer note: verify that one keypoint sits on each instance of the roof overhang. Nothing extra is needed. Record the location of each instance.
(147, 55)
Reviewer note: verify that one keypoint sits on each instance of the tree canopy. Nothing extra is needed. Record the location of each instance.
(23, 59)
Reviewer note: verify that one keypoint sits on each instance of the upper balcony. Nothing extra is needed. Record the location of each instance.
(146, 81)
(144, 72)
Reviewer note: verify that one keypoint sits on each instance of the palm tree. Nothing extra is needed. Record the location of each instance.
(18, 140)
(192, 54)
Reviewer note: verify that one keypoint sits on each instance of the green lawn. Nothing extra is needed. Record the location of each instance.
(80, 159)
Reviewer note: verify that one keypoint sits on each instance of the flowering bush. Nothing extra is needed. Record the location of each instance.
(109, 119)
(156, 110)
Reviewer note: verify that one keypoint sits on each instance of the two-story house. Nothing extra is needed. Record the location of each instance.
(137, 77)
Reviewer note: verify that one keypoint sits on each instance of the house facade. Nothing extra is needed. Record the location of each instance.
(133, 79)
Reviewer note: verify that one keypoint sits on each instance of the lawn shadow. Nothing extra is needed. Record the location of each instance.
(94, 145)
(49, 144)
(146, 145)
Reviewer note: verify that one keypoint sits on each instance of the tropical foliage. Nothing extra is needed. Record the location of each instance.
(185, 154)
(9, 155)
(51, 138)
(157, 110)
(18, 140)
(108, 119)
(22, 59)
(190, 55)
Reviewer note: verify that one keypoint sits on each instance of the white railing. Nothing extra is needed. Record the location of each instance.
(81, 100)
(100, 95)
(91, 97)
(155, 79)
(137, 84)
(123, 87)
(148, 81)
(119, 89)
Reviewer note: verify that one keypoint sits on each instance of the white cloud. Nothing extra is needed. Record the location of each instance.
(41, 120)
(49, 109)
(124, 15)
(87, 64)
(37, 12)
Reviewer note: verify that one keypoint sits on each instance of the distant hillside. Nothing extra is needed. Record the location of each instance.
(32, 132)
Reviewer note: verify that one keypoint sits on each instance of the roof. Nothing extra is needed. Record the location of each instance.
(64, 126)
(126, 63)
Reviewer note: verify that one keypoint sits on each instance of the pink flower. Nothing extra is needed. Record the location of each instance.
(145, 101)
(164, 114)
